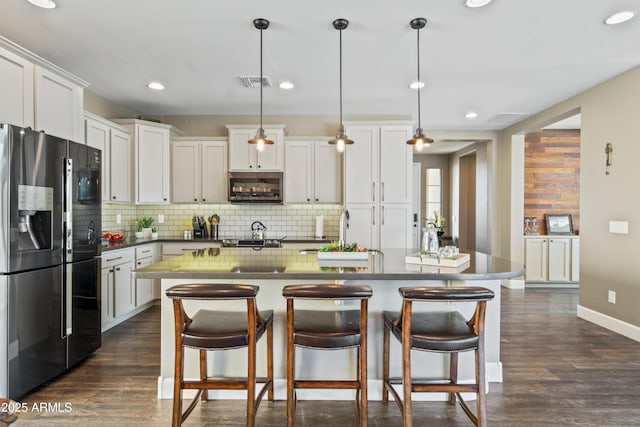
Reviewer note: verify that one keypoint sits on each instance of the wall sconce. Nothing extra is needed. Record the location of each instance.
(608, 149)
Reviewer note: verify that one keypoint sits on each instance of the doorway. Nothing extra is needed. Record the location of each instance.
(467, 215)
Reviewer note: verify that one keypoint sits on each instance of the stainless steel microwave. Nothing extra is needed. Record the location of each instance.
(255, 187)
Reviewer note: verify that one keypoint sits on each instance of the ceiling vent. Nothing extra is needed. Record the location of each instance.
(507, 118)
(254, 81)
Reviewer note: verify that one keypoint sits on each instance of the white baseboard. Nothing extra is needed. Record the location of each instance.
(513, 283)
(623, 328)
(165, 390)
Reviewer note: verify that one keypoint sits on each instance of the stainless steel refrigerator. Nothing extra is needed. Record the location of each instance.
(49, 257)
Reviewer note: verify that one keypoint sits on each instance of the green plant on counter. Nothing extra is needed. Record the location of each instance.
(144, 222)
(437, 222)
(154, 230)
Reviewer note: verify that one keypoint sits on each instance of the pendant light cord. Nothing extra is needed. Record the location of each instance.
(341, 77)
(261, 78)
(418, 44)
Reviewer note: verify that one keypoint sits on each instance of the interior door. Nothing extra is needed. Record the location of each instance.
(467, 238)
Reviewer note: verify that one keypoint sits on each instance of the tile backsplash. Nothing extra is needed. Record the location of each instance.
(293, 221)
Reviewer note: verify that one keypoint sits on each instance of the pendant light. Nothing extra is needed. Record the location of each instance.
(341, 139)
(419, 140)
(260, 139)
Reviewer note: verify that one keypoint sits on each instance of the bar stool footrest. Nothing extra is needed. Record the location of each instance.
(339, 384)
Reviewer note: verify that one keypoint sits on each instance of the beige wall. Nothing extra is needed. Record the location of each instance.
(608, 261)
(101, 107)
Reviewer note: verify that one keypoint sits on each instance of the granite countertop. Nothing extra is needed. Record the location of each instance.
(292, 263)
(132, 242)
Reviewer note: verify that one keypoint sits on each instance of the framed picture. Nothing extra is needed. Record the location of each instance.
(559, 223)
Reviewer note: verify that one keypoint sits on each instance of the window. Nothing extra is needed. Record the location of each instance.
(433, 193)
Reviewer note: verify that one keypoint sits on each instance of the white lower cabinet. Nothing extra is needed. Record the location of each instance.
(146, 289)
(552, 259)
(117, 287)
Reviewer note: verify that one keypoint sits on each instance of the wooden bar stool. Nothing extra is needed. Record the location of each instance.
(220, 330)
(444, 332)
(327, 330)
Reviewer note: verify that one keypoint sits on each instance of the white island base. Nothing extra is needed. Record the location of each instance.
(329, 364)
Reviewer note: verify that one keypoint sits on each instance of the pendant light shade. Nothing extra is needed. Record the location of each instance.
(341, 140)
(419, 139)
(260, 139)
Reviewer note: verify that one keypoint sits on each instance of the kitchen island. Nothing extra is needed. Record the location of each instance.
(272, 268)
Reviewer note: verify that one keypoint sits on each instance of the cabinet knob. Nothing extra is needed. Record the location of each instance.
(259, 166)
(113, 197)
(195, 200)
(204, 200)
(165, 199)
(308, 199)
(117, 268)
(317, 200)
(250, 166)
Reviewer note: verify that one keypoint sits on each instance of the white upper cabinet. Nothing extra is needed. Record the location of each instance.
(59, 106)
(362, 168)
(245, 157)
(37, 94)
(115, 143)
(151, 160)
(199, 170)
(396, 160)
(16, 87)
(313, 172)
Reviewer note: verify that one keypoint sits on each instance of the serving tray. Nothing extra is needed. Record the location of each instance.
(454, 261)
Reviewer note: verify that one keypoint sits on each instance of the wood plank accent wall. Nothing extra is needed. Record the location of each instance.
(552, 175)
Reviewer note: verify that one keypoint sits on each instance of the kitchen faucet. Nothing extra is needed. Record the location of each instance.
(344, 224)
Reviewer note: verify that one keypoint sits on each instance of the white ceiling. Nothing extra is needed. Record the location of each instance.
(511, 57)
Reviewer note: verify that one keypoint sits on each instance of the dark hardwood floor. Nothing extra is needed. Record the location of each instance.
(558, 371)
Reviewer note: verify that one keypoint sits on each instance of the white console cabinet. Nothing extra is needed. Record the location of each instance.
(552, 259)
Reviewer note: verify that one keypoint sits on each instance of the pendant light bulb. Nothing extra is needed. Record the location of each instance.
(419, 140)
(341, 139)
(260, 139)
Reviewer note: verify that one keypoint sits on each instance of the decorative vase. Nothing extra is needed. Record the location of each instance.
(146, 233)
(154, 235)
(139, 234)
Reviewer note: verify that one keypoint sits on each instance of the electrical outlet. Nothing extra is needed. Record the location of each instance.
(118, 219)
(612, 297)
(160, 219)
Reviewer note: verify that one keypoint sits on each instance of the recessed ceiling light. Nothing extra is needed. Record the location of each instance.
(155, 86)
(416, 85)
(45, 4)
(620, 17)
(286, 85)
(471, 115)
(477, 3)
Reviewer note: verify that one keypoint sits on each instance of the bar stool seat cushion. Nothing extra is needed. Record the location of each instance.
(327, 329)
(222, 329)
(436, 331)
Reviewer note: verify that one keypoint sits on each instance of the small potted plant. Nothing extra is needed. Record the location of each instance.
(138, 230)
(437, 222)
(154, 233)
(144, 224)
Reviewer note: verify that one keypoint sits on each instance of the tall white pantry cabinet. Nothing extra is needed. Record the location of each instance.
(378, 184)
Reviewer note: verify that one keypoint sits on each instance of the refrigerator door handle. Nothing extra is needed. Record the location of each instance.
(67, 311)
(68, 208)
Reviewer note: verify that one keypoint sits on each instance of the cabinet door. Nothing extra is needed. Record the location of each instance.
(120, 166)
(144, 287)
(298, 172)
(152, 164)
(362, 165)
(559, 259)
(363, 228)
(396, 158)
(97, 136)
(575, 260)
(214, 171)
(242, 156)
(58, 106)
(185, 172)
(124, 289)
(395, 226)
(327, 174)
(536, 260)
(16, 87)
(107, 304)
(272, 157)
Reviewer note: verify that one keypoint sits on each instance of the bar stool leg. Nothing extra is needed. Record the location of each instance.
(270, 360)
(385, 365)
(453, 374)
(290, 366)
(406, 364)
(203, 373)
(251, 383)
(362, 363)
(176, 419)
(482, 396)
